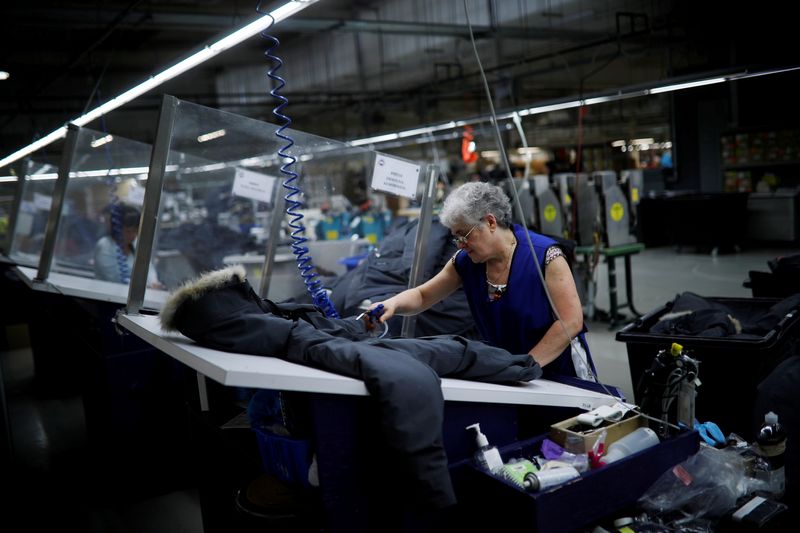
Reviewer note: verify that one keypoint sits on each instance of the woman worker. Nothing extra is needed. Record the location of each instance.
(501, 282)
(114, 253)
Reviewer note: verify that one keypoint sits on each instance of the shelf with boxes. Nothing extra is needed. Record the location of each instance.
(760, 159)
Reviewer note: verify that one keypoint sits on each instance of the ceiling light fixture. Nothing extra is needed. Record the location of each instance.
(210, 136)
(101, 141)
(281, 13)
(677, 84)
(688, 85)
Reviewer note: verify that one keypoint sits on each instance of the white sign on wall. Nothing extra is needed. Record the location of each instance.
(253, 185)
(42, 201)
(136, 195)
(395, 176)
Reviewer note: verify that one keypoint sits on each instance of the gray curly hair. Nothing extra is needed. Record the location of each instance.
(469, 203)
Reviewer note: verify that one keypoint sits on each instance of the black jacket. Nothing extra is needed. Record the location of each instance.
(401, 374)
(386, 271)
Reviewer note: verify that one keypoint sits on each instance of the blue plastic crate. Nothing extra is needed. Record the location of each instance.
(352, 261)
(286, 458)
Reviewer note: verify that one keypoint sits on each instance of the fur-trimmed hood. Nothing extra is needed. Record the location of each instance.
(192, 290)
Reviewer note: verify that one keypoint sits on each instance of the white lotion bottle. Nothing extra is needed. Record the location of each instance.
(487, 456)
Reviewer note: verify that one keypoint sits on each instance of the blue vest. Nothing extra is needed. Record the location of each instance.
(520, 318)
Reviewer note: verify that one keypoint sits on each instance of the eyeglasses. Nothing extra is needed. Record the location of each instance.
(462, 240)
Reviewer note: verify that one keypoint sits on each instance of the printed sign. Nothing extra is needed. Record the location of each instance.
(253, 185)
(136, 195)
(42, 201)
(395, 176)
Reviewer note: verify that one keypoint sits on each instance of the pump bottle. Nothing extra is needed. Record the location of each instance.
(487, 457)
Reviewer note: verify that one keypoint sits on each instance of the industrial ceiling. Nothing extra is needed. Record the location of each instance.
(355, 68)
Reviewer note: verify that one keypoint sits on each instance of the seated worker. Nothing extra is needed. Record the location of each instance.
(368, 222)
(114, 253)
(506, 296)
(332, 226)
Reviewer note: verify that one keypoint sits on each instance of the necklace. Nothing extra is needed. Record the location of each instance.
(496, 290)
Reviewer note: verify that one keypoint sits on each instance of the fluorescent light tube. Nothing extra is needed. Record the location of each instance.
(101, 141)
(687, 85)
(281, 13)
(44, 141)
(210, 136)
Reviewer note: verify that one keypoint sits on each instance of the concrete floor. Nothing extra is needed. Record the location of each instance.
(48, 485)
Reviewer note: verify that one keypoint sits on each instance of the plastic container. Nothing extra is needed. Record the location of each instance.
(286, 458)
(635, 441)
(771, 445)
(730, 368)
(487, 457)
(352, 261)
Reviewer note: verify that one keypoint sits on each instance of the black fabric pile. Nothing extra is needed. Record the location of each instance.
(222, 311)
(691, 314)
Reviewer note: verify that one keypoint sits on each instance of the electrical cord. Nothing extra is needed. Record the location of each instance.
(517, 203)
(304, 261)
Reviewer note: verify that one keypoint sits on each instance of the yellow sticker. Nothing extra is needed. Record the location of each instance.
(635, 194)
(617, 211)
(549, 212)
(331, 235)
(372, 238)
(567, 199)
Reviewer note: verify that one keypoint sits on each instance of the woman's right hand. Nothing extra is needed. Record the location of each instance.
(389, 309)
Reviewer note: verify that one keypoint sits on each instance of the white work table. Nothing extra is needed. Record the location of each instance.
(89, 288)
(239, 370)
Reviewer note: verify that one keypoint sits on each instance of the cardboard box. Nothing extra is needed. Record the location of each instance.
(580, 438)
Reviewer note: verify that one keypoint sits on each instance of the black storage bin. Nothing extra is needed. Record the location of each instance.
(769, 284)
(730, 368)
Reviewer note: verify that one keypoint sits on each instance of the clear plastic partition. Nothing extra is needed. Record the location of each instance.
(222, 201)
(36, 187)
(102, 205)
(9, 178)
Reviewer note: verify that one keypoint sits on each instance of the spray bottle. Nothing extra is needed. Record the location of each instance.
(771, 445)
(487, 456)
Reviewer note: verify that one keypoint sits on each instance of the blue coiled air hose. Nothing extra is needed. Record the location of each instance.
(304, 261)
